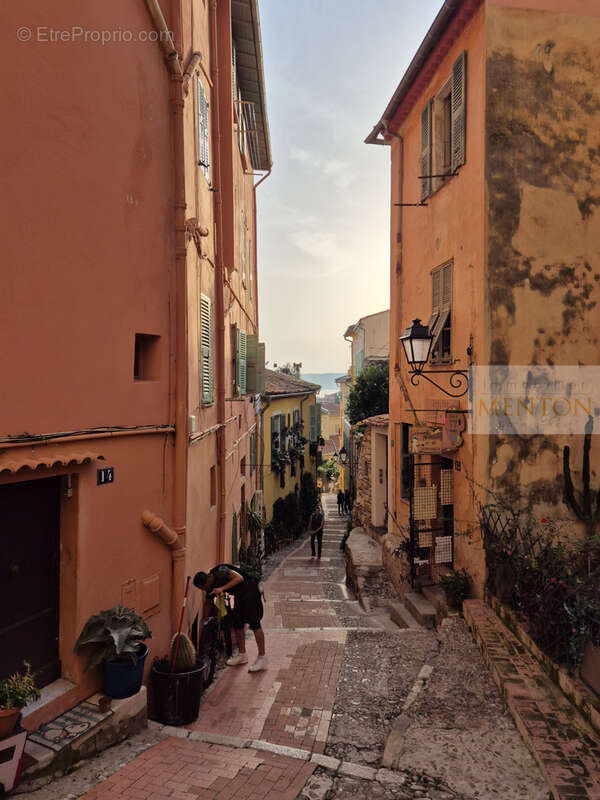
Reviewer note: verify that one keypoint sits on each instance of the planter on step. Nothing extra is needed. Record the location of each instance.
(175, 696)
(123, 677)
(8, 721)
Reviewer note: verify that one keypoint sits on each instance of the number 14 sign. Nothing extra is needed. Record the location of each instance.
(106, 475)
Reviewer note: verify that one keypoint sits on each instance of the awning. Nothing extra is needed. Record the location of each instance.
(13, 462)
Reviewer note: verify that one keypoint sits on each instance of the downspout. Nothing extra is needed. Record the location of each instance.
(171, 50)
(159, 527)
(219, 285)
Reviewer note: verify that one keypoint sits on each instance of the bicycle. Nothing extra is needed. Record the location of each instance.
(215, 638)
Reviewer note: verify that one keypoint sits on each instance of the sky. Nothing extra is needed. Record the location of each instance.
(331, 67)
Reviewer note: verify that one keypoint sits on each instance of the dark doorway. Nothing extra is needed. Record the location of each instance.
(29, 577)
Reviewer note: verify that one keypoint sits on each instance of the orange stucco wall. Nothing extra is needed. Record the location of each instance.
(90, 260)
(451, 226)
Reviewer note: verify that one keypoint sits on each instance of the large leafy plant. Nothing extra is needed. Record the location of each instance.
(115, 634)
(18, 689)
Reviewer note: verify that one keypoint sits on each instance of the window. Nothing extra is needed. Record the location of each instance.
(240, 350)
(206, 367)
(243, 466)
(146, 357)
(314, 423)
(405, 478)
(277, 426)
(243, 246)
(203, 143)
(251, 269)
(441, 313)
(443, 131)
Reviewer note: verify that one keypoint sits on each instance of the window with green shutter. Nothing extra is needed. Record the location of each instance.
(206, 366)
(203, 134)
(312, 424)
(240, 363)
(255, 365)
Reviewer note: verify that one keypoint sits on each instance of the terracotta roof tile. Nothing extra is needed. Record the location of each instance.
(282, 383)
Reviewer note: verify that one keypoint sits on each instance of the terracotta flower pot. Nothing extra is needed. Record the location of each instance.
(8, 721)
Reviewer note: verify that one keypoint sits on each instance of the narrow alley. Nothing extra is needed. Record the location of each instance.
(314, 724)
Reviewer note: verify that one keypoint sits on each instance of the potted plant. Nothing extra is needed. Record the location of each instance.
(15, 692)
(456, 586)
(178, 681)
(116, 637)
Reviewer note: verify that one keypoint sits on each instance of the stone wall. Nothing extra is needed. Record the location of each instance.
(361, 509)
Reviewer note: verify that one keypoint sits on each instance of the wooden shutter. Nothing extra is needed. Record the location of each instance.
(206, 368)
(255, 365)
(426, 148)
(240, 359)
(203, 149)
(446, 286)
(318, 415)
(459, 109)
(436, 291)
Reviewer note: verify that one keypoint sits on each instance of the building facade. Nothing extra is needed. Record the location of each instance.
(495, 245)
(131, 311)
(369, 341)
(290, 433)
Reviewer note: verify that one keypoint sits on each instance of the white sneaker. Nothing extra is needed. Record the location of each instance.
(237, 659)
(260, 664)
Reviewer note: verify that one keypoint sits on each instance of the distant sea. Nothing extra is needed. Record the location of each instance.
(326, 380)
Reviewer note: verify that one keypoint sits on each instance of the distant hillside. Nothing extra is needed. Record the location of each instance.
(326, 380)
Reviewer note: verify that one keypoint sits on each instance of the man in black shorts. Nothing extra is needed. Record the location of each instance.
(247, 608)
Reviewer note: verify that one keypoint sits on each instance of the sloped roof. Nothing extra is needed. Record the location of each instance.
(331, 446)
(330, 408)
(282, 383)
(378, 421)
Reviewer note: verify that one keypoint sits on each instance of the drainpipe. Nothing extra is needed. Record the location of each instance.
(158, 526)
(219, 281)
(172, 49)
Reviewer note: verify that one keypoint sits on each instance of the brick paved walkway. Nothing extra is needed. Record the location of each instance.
(564, 745)
(307, 615)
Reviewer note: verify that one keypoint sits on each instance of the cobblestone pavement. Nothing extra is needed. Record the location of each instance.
(314, 724)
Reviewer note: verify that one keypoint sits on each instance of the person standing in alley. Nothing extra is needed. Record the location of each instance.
(347, 501)
(316, 531)
(340, 502)
(247, 609)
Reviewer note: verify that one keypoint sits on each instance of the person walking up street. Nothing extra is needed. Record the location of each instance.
(340, 502)
(316, 531)
(247, 609)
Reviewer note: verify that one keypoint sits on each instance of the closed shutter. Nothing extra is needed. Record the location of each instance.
(203, 149)
(318, 415)
(241, 362)
(459, 111)
(206, 368)
(426, 151)
(251, 363)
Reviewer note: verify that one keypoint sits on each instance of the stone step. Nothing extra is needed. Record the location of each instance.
(402, 616)
(421, 609)
(437, 597)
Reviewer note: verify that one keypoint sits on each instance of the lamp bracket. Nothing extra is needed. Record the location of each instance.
(459, 380)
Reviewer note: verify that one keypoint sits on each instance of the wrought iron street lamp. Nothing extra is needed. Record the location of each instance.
(343, 455)
(417, 341)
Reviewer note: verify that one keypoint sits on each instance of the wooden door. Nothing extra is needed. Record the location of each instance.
(29, 577)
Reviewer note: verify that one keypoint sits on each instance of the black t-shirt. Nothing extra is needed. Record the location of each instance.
(316, 521)
(222, 575)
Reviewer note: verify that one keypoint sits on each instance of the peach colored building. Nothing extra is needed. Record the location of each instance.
(131, 357)
(495, 243)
